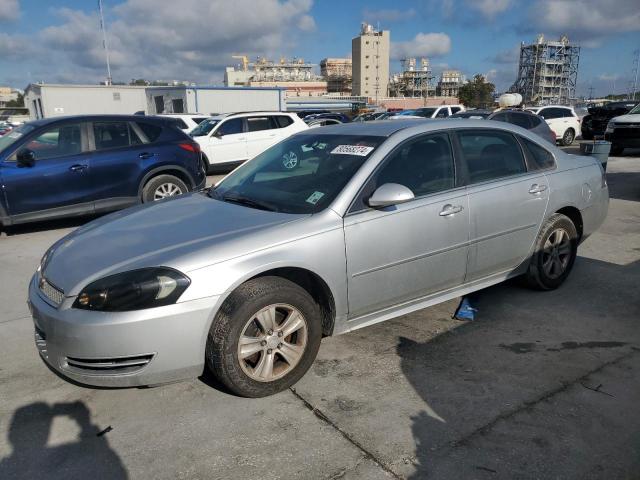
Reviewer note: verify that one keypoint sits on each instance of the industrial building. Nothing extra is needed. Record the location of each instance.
(295, 76)
(45, 100)
(415, 80)
(337, 72)
(370, 54)
(450, 83)
(547, 72)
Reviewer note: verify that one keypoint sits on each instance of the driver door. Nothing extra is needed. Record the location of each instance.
(59, 182)
(228, 142)
(408, 251)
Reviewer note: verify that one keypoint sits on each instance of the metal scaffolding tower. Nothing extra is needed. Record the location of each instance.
(413, 81)
(548, 72)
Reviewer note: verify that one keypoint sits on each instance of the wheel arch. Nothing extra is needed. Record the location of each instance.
(575, 216)
(314, 285)
(174, 170)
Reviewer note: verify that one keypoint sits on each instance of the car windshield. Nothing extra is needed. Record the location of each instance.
(204, 127)
(635, 109)
(425, 112)
(14, 135)
(302, 174)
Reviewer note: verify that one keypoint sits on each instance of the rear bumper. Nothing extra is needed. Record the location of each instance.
(122, 349)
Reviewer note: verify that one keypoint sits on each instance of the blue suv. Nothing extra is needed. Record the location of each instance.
(69, 166)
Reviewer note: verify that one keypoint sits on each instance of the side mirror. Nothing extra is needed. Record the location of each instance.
(26, 158)
(390, 194)
(218, 134)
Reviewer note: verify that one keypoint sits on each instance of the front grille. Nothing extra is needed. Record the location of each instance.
(108, 366)
(627, 132)
(52, 293)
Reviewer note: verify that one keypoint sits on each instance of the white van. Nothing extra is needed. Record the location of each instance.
(228, 140)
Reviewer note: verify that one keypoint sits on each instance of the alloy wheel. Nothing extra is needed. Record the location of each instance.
(556, 253)
(166, 190)
(272, 342)
(568, 137)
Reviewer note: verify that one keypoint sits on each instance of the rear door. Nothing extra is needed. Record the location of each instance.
(507, 201)
(120, 151)
(262, 132)
(411, 250)
(555, 119)
(59, 181)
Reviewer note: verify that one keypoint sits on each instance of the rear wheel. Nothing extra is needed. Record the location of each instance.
(555, 253)
(264, 338)
(616, 150)
(163, 186)
(568, 137)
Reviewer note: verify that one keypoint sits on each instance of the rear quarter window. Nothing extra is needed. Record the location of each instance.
(151, 131)
(539, 157)
(282, 121)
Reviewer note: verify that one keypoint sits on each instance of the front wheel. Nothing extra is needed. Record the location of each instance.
(264, 338)
(554, 255)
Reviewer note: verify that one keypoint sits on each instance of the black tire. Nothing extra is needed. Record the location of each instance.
(291, 158)
(150, 188)
(206, 164)
(568, 137)
(536, 276)
(616, 150)
(222, 358)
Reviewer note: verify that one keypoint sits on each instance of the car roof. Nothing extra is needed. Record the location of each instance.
(220, 116)
(89, 118)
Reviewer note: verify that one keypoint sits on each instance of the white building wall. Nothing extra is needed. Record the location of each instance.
(59, 100)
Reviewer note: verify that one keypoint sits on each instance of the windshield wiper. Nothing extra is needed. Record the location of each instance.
(249, 202)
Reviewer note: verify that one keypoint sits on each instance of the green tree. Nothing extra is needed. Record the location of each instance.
(477, 93)
(19, 102)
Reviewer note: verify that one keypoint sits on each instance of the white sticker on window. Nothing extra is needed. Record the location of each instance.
(359, 150)
(14, 135)
(315, 197)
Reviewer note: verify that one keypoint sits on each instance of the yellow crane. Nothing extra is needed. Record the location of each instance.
(245, 61)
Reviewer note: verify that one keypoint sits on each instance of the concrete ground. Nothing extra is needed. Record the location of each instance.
(540, 385)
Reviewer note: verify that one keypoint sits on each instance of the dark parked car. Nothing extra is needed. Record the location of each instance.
(474, 114)
(70, 166)
(527, 120)
(595, 123)
(325, 116)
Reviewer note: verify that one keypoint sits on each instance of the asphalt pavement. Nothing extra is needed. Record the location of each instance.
(541, 385)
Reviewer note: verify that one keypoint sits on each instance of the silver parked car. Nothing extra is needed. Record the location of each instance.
(378, 220)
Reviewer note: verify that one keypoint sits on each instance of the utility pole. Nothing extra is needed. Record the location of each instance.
(591, 92)
(104, 41)
(636, 64)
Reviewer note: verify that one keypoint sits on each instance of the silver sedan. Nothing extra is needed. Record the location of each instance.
(375, 221)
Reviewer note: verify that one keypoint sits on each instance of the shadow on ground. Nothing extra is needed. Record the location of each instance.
(88, 457)
(520, 350)
(624, 185)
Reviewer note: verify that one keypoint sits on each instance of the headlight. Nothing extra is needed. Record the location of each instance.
(609, 127)
(134, 290)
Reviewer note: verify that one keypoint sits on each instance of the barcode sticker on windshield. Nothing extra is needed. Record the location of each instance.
(359, 150)
(315, 197)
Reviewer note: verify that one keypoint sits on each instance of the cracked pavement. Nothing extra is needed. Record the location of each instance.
(540, 385)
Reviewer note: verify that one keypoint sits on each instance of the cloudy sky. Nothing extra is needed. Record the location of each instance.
(60, 41)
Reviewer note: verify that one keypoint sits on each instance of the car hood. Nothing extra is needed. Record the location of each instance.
(635, 118)
(185, 233)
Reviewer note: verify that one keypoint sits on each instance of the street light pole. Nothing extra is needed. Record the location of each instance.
(104, 41)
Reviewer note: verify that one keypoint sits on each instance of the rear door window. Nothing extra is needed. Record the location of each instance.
(552, 113)
(500, 117)
(443, 112)
(108, 135)
(490, 154)
(521, 119)
(256, 124)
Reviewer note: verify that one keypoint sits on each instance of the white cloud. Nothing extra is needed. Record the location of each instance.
(9, 10)
(609, 77)
(158, 40)
(422, 45)
(587, 21)
(11, 47)
(490, 8)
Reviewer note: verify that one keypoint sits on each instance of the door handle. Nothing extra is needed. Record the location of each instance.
(77, 168)
(449, 209)
(536, 189)
(145, 155)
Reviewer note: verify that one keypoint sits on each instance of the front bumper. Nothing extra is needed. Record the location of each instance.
(626, 138)
(122, 349)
